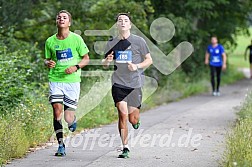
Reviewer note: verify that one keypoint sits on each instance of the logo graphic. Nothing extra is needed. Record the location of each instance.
(162, 30)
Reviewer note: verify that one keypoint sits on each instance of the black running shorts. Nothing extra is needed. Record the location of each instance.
(133, 96)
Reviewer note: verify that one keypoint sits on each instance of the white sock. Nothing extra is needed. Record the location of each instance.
(125, 146)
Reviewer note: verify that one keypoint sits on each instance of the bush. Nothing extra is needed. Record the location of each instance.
(21, 71)
(27, 125)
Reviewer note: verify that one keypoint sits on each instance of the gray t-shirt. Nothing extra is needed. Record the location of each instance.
(132, 49)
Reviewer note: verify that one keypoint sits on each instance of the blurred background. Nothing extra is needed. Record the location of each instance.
(25, 113)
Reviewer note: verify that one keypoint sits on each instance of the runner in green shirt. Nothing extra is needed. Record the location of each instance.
(65, 54)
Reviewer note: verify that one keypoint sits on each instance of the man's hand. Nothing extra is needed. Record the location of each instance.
(132, 67)
(110, 57)
(71, 70)
(224, 67)
(50, 63)
(206, 62)
(107, 60)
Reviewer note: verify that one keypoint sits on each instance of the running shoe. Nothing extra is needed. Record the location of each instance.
(73, 126)
(61, 151)
(136, 126)
(125, 153)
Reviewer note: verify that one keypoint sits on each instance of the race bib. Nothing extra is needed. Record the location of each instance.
(216, 59)
(64, 55)
(124, 56)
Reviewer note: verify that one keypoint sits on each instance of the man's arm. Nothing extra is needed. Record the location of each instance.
(245, 54)
(145, 64)
(106, 61)
(81, 64)
(207, 58)
(224, 58)
(84, 61)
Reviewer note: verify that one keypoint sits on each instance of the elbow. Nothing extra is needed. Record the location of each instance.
(87, 58)
(151, 61)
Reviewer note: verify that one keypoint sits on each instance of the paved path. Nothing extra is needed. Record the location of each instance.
(189, 132)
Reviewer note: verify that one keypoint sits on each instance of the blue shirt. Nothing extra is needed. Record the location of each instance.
(216, 55)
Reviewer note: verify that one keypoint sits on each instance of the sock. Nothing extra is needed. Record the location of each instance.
(58, 128)
(125, 146)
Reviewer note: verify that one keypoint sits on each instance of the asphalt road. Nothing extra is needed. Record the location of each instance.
(190, 132)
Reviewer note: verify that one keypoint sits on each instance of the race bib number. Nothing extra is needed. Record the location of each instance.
(64, 55)
(216, 59)
(124, 56)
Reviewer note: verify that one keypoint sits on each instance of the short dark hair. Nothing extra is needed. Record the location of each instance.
(214, 36)
(126, 14)
(68, 13)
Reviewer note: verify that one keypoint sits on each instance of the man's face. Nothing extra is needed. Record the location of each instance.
(214, 40)
(123, 23)
(62, 20)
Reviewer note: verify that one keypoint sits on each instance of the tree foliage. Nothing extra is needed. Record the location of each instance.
(26, 24)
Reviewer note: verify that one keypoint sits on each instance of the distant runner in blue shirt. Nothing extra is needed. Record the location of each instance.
(216, 58)
(250, 57)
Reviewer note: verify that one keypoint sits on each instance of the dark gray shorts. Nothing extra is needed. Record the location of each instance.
(133, 96)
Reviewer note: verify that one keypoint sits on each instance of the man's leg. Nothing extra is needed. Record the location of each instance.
(212, 72)
(218, 72)
(134, 103)
(56, 100)
(58, 128)
(70, 118)
(120, 99)
(123, 128)
(57, 124)
(72, 93)
(122, 123)
(134, 117)
(251, 70)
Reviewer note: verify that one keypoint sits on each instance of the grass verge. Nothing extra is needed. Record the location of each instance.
(239, 144)
(30, 124)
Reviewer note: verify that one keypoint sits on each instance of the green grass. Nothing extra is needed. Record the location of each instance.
(238, 150)
(238, 61)
(27, 125)
(239, 144)
(178, 85)
(236, 57)
(103, 114)
(30, 124)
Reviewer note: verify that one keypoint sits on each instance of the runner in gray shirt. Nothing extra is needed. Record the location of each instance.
(131, 55)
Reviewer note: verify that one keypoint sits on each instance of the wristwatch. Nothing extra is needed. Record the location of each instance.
(77, 66)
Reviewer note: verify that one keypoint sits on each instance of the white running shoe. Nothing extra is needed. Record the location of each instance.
(214, 93)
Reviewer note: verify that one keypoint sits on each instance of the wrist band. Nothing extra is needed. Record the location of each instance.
(46, 62)
(77, 66)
